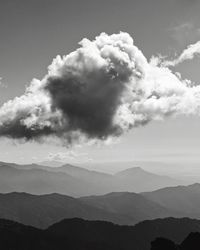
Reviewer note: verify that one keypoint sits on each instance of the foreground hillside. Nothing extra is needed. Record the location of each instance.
(191, 242)
(78, 234)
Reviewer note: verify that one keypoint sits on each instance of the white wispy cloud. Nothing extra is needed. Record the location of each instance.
(188, 54)
(69, 156)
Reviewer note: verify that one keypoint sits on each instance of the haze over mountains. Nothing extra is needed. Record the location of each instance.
(133, 205)
(40, 196)
(180, 201)
(44, 210)
(184, 199)
(122, 208)
(75, 181)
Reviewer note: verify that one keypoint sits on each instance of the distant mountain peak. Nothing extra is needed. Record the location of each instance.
(195, 185)
(133, 171)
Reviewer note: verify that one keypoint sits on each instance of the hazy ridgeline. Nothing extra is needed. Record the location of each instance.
(47, 201)
(76, 181)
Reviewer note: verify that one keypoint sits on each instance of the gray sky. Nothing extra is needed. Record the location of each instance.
(34, 32)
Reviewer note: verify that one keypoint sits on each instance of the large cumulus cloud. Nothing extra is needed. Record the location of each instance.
(102, 89)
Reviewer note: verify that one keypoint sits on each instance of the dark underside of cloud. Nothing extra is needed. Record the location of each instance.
(87, 107)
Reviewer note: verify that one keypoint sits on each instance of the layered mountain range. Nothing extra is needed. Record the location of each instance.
(62, 207)
(75, 181)
(122, 208)
(39, 195)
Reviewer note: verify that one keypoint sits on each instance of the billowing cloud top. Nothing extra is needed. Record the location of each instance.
(102, 89)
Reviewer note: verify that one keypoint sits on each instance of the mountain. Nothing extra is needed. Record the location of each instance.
(78, 234)
(121, 208)
(192, 242)
(43, 210)
(131, 204)
(126, 237)
(101, 180)
(76, 181)
(17, 236)
(84, 174)
(164, 244)
(183, 199)
(132, 180)
(80, 172)
(138, 180)
(40, 181)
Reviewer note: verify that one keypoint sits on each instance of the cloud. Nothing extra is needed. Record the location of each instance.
(69, 156)
(188, 54)
(99, 91)
(62, 156)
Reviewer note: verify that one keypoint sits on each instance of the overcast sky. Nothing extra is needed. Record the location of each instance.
(33, 32)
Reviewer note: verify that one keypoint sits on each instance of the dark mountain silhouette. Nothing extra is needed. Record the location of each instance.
(76, 181)
(78, 234)
(171, 228)
(192, 242)
(17, 236)
(163, 244)
(183, 199)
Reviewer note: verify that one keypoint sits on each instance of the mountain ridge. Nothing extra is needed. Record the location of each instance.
(76, 181)
(78, 234)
